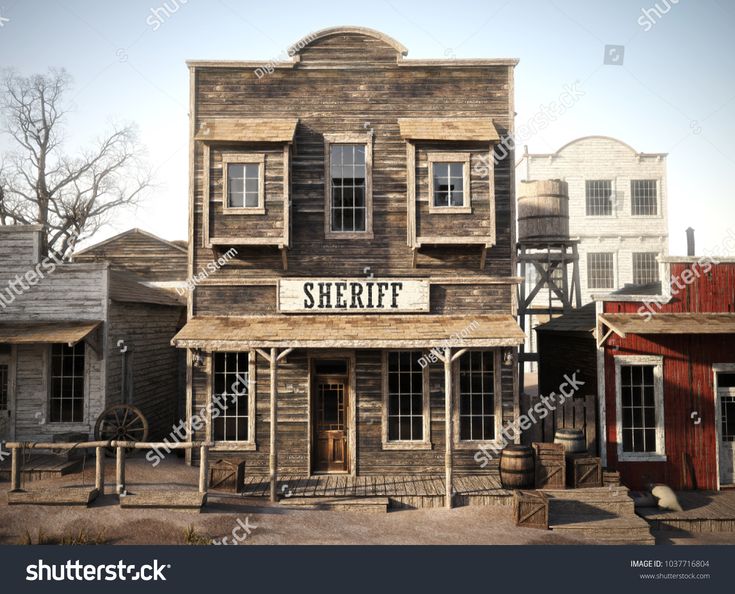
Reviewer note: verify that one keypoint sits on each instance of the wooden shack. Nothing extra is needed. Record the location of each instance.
(76, 338)
(374, 232)
(667, 372)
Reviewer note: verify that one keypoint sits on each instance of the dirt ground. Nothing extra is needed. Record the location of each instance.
(106, 523)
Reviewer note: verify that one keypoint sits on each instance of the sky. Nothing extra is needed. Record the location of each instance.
(669, 89)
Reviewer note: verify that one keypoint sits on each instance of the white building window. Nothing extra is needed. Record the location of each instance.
(600, 270)
(599, 197)
(643, 198)
(645, 268)
(640, 408)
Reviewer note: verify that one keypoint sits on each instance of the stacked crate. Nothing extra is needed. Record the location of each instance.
(550, 466)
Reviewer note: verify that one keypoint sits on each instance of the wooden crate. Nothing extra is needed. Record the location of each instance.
(550, 466)
(583, 471)
(227, 475)
(531, 509)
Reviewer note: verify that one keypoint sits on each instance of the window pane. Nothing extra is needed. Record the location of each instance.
(600, 274)
(347, 168)
(643, 197)
(599, 198)
(477, 396)
(638, 406)
(645, 268)
(66, 400)
(231, 378)
(405, 396)
(448, 184)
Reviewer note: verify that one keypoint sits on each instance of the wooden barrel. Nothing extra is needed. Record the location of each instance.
(517, 467)
(543, 210)
(572, 440)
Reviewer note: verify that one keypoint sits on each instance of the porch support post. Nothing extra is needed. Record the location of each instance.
(448, 427)
(203, 469)
(274, 421)
(15, 470)
(120, 469)
(99, 475)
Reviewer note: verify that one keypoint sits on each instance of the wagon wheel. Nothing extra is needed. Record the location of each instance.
(121, 422)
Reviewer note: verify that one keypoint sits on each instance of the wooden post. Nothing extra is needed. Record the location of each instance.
(203, 469)
(120, 470)
(448, 427)
(99, 476)
(15, 470)
(273, 460)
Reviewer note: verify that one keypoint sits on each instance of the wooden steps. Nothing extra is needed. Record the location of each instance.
(59, 496)
(361, 504)
(164, 499)
(599, 515)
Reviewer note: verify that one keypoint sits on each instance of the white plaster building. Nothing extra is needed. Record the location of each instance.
(617, 208)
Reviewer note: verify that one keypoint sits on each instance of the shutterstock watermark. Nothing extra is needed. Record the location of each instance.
(240, 533)
(538, 412)
(680, 282)
(542, 119)
(164, 12)
(650, 16)
(270, 66)
(3, 20)
(76, 571)
(206, 271)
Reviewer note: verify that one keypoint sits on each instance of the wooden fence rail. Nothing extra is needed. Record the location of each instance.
(16, 447)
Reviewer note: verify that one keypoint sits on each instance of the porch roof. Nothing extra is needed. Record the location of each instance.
(69, 332)
(670, 323)
(349, 331)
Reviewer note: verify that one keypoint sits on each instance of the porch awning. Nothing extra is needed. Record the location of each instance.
(46, 332)
(669, 323)
(477, 129)
(349, 331)
(247, 129)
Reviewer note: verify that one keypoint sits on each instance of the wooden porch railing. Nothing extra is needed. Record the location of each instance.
(100, 446)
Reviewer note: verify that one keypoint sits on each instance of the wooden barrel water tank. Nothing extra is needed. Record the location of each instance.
(517, 467)
(543, 210)
(572, 440)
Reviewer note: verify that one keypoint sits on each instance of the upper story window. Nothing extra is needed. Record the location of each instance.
(244, 183)
(600, 271)
(645, 268)
(449, 182)
(66, 399)
(599, 197)
(643, 198)
(349, 186)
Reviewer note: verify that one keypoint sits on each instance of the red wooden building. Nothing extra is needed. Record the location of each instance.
(666, 367)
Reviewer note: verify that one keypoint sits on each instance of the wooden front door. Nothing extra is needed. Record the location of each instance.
(726, 405)
(330, 423)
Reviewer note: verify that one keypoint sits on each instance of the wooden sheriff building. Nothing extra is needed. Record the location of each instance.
(366, 325)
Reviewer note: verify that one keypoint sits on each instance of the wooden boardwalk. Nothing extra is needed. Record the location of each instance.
(401, 490)
(704, 511)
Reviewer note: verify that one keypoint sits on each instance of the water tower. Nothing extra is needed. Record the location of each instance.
(548, 260)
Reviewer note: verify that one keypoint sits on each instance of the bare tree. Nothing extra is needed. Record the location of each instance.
(71, 196)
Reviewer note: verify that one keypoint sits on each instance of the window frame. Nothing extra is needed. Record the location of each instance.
(588, 268)
(251, 443)
(656, 185)
(406, 444)
(243, 159)
(48, 353)
(658, 395)
(613, 209)
(365, 139)
(450, 157)
(471, 444)
(655, 255)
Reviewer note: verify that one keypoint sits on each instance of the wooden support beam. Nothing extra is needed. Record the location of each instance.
(120, 470)
(99, 474)
(448, 493)
(458, 354)
(15, 470)
(284, 353)
(284, 258)
(483, 257)
(203, 469)
(273, 458)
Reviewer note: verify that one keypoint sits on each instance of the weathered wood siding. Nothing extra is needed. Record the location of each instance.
(141, 254)
(153, 376)
(19, 247)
